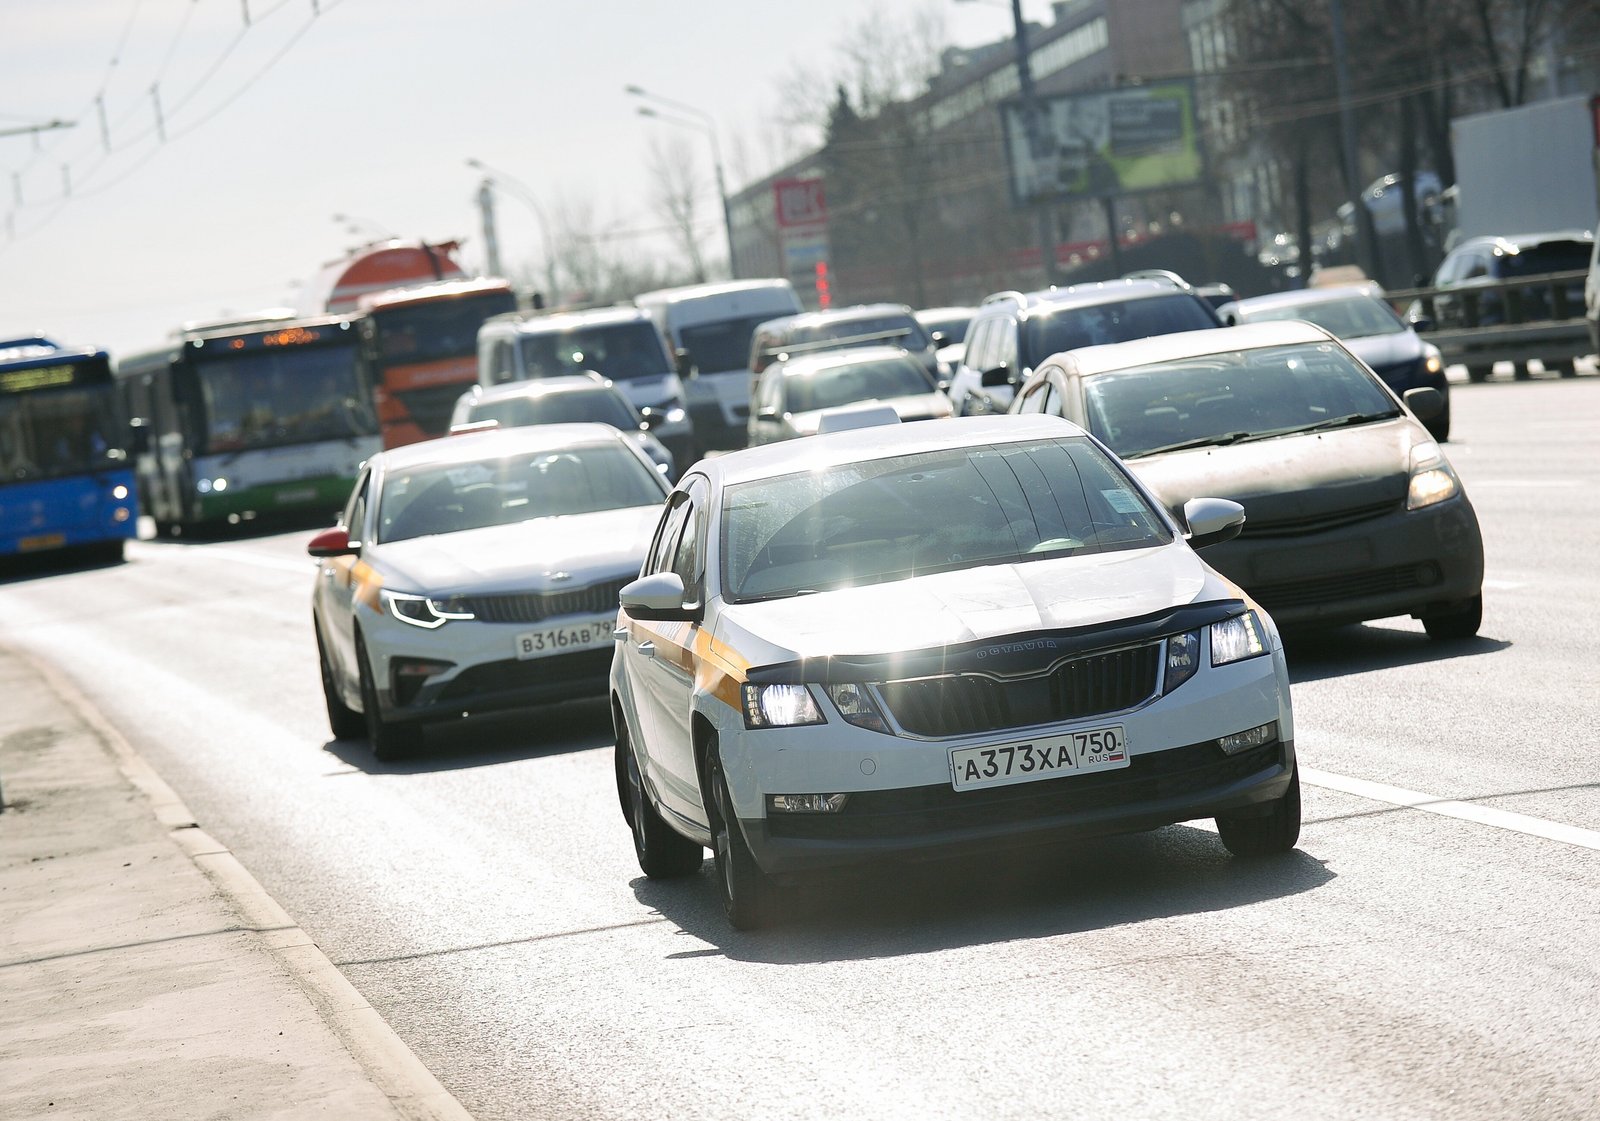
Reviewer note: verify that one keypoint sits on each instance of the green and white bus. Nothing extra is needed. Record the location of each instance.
(246, 419)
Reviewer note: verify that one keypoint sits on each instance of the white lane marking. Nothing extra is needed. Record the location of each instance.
(1446, 807)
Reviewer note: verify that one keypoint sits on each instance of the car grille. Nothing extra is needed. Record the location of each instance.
(1358, 585)
(965, 704)
(536, 673)
(1317, 523)
(532, 607)
(1151, 778)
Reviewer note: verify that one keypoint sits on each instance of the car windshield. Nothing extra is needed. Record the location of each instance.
(1229, 397)
(953, 327)
(618, 351)
(1118, 321)
(896, 518)
(809, 389)
(274, 398)
(899, 330)
(599, 405)
(1358, 317)
(446, 498)
(715, 348)
(426, 332)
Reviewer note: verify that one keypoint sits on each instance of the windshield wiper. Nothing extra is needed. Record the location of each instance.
(1220, 440)
(1346, 420)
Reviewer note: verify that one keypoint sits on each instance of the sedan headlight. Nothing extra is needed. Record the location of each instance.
(779, 706)
(422, 611)
(1432, 479)
(1432, 360)
(1238, 638)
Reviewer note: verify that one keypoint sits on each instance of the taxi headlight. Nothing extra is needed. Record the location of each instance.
(856, 705)
(779, 706)
(1432, 479)
(1238, 638)
(421, 611)
(1183, 658)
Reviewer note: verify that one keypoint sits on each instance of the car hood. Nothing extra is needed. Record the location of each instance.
(917, 406)
(1381, 351)
(527, 556)
(949, 608)
(1291, 478)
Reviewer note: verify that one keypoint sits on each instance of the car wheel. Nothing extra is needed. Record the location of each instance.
(389, 740)
(661, 850)
(748, 898)
(345, 722)
(1257, 834)
(1455, 623)
(1479, 373)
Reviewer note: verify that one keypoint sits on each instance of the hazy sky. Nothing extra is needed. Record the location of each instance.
(368, 109)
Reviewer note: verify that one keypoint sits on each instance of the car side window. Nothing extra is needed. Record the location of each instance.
(354, 518)
(664, 546)
(1476, 266)
(1068, 401)
(1005, 351)
(978, 345)
(688, 559)
(1033, 400)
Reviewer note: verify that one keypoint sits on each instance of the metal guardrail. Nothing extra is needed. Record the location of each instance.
(1531, 317)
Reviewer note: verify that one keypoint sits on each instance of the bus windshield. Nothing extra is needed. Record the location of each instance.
(59, 432)
(274, 398)
(444, 328)
(619, 351)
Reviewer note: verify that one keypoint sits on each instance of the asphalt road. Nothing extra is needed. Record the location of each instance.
(1435, 960)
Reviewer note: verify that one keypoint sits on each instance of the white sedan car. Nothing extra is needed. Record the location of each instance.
(478, 572)
(906, 641)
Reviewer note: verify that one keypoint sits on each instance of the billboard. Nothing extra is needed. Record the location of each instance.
(1110, 142)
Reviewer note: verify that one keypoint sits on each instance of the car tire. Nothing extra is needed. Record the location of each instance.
(1253, 834)
(345, 722)
(748, 898)
(1479, 373)
(1456, 623)
(663, 853)
(389, 739)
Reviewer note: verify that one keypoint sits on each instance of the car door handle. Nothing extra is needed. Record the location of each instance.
(647, 650)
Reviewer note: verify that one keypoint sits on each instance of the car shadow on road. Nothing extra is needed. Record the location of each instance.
(925, 908)
(1315, 655)
(483, 741)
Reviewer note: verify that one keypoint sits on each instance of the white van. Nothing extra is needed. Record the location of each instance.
(709, 327)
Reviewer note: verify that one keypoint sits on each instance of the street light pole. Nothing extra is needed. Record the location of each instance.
(1030, 124)
(1347, 141)
(710, 129)
(493, 177)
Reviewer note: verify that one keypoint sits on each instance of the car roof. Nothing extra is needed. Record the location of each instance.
(880, 442)
(836, 315)
(1302, 296)
(537, 323)
(473, 447)
(952, 312)
(1047, 300)
(714, 288)
(545, 387)
(1110, 357)
(826, 359)
(1519, 242)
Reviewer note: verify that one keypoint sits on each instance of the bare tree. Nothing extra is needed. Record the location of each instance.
(676, 192)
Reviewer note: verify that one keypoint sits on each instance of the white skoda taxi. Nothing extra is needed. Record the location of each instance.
(901, 642)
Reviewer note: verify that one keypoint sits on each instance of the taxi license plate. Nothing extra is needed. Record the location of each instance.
(588, 635)
(1093, 749)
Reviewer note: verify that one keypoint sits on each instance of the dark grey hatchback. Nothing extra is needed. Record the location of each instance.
(1352, 511)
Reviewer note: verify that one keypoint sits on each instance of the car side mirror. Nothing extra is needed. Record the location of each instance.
(997, 376)
(770, 412)
(939, 339)
(1421, 323)
(1213, 520)
(1425, 402)
(333, 542)
(684, 362)
(657, 598)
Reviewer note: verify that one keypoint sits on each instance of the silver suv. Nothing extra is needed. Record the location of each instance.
(1015, 331)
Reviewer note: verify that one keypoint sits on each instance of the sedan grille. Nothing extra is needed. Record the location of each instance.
(534, 607)
(965, 704)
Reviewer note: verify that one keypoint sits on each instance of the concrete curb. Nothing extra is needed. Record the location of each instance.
(415, 1093)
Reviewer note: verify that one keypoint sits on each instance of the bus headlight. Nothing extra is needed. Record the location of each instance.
(206, 486)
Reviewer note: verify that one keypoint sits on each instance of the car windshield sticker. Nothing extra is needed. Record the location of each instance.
(1122, 501)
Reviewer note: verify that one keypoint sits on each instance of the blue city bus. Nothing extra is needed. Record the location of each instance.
(250, 418)
(66, 481)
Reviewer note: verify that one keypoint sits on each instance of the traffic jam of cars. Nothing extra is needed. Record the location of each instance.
(851, 638)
